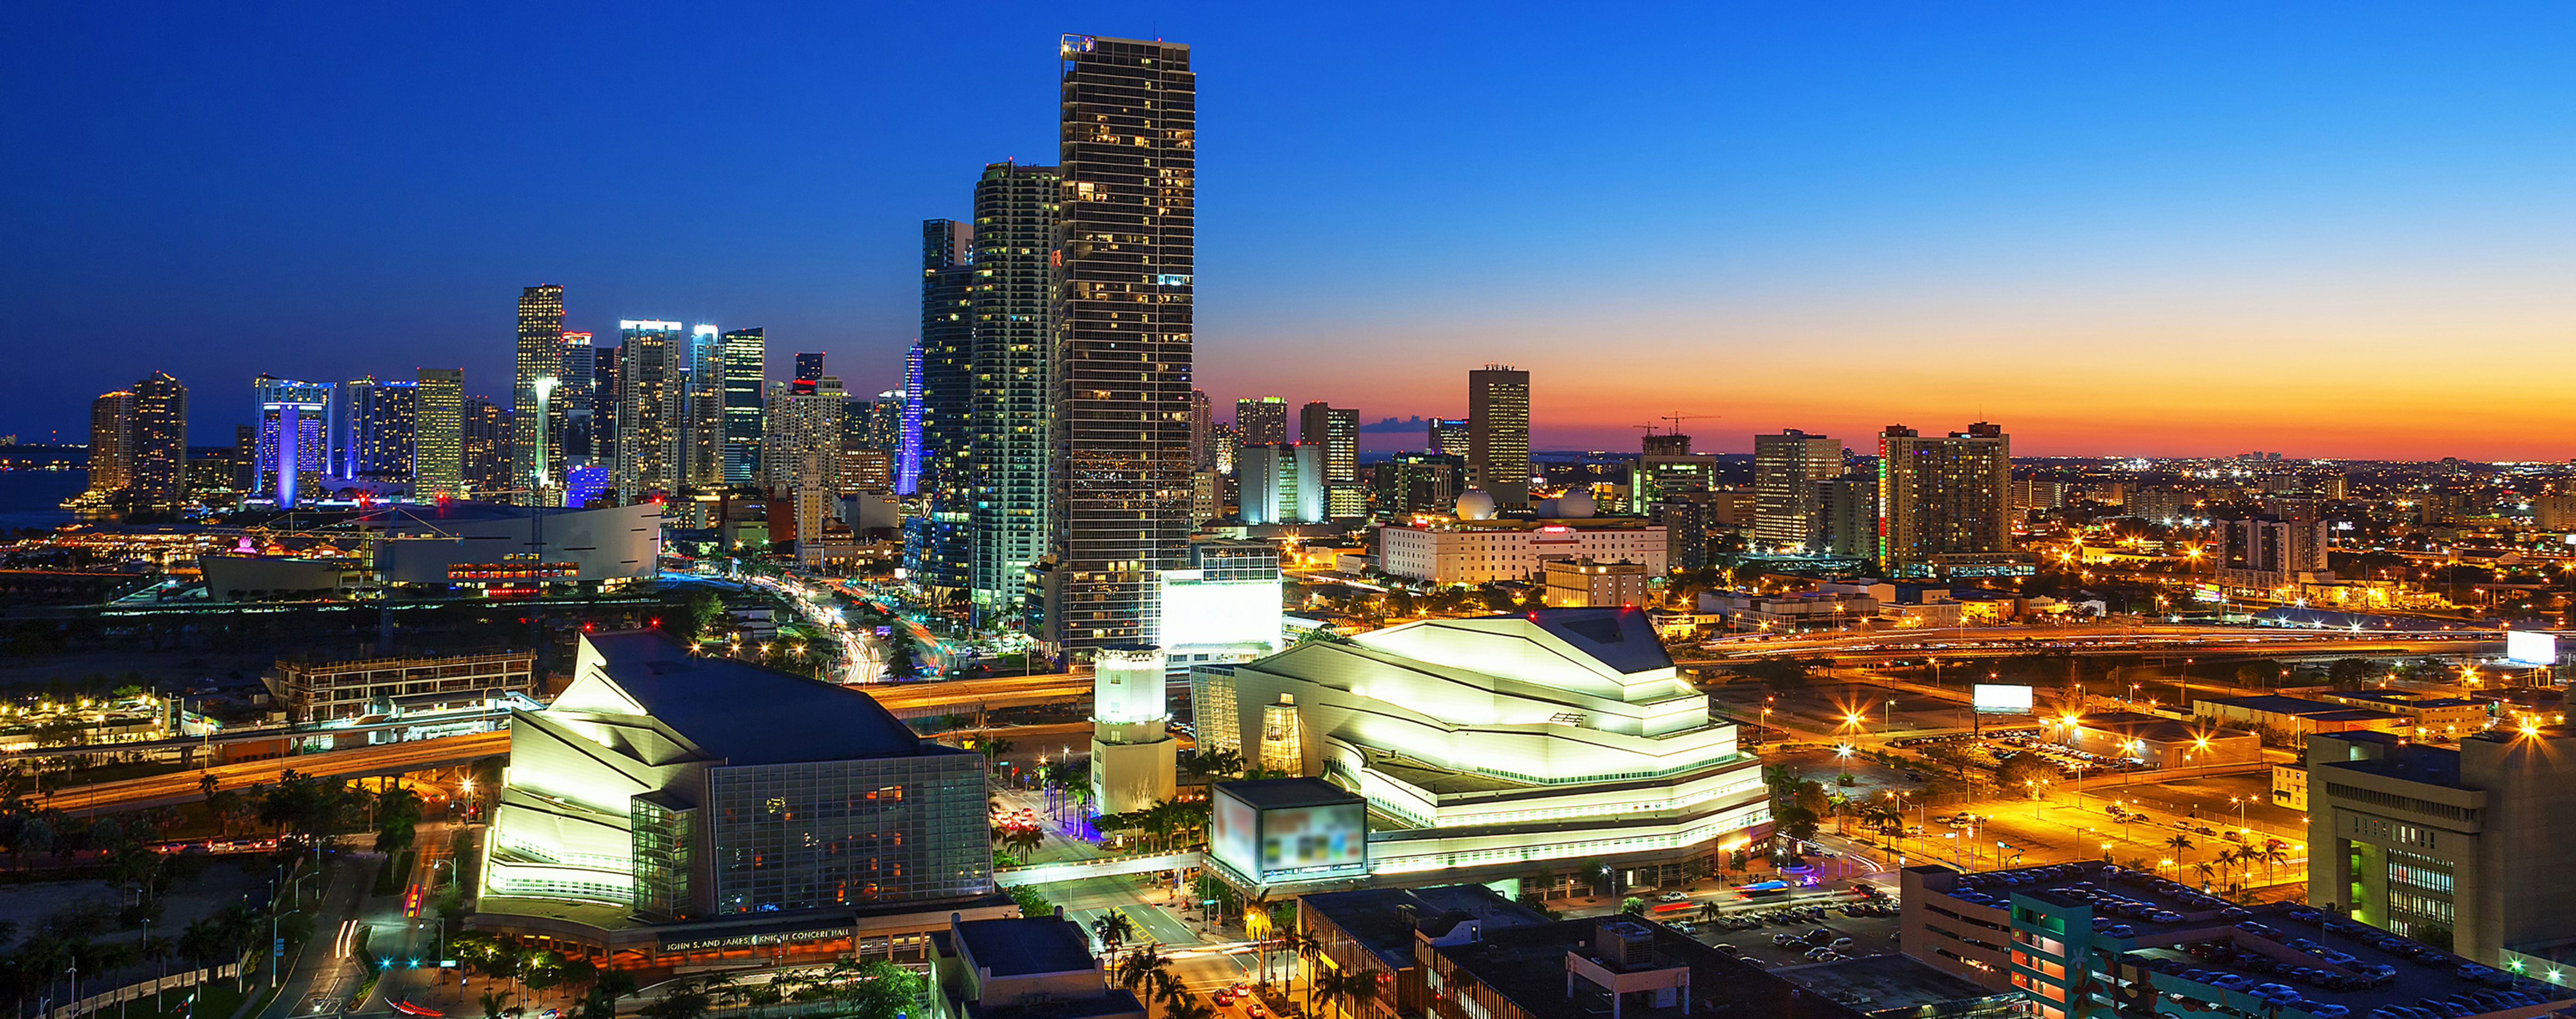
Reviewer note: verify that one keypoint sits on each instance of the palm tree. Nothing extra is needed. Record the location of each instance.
(2179, 844)
(1189, 1008)
(1146, 973)
(1710, 911)
(2204, 869)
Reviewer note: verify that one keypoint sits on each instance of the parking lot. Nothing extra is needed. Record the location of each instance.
(1754, 930)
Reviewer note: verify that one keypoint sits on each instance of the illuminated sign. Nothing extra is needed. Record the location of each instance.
(1994, 699)
(2526, 647)
(513, 571)
(749, 940)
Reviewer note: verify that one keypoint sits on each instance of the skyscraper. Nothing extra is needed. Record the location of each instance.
(383, 427)
(803, 454)
(438, 465)
(1013, 303)
(702, 419)
(745, 362)
(111, 443)
(540, 355)
(1260, 421)
(1449, 435)
(484, 445)
(1786, 468)
(809, 366)
(935, 555)
(576, 402)
(907, 457)
(1202, 427)
(652, 397)
(160, 442)
(606, 385)
(1126, 237)
(1943, 500)
(294, 438)
(1498, 433)
(1336, 432)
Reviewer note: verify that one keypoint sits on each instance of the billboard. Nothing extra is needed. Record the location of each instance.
(1992, 699)
(1236, 835)
(1298, 838)
(2525, 647)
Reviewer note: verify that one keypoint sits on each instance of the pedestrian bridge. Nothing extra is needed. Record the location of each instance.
(1076, 870)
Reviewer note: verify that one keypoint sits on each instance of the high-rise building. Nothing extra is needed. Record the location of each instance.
(702, 419)
(294, 438)
(605, 389)
(745, 365)
(484, 445)
(1943, 500)
(438, 463)
(1261, 421)
(1336, 430)
(1498, 432)
(111, 442)
(1202, 426)
(803, 451)
(576, 399)
(1409, 483)
(652, 398)
(1013, 304)
(935, 554)
(1120, 502)
(1786, 468)
(1281, 482)
(540, 355)
(1448, 435)
(809, 366)
(383, 429)
(160, 444)
(907, 456)
(1847, 517)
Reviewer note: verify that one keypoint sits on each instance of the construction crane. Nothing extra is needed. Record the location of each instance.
(1678, 417)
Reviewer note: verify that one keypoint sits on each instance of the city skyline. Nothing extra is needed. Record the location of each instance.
(2104, 235)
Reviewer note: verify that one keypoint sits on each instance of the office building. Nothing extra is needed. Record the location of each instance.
(664, 793)
(652, 402)
(1498, 745)
(577, 394)
(1498, 431)
(2089, 940)
(1786, 469)
(1847, 517)
(1594, 583)
(320, 690)
(1942, 503)
(160, 444)
(111, 443)
(1425, 483)
(383, 429)
(936, 558)
(1485, 551)
(745, 359)
(809, 366)
(1336, 431)
(1667, 470)
(294, 439)
(1448, 435)
(1280, 483)
(484, 441)
(540, 355)
(2469, 843)
(1014, 299)
(438, 457)
(1260, 421)
(1119, 504)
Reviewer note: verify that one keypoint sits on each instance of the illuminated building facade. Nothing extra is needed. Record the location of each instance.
(438, 458)
(1260, 421)
(1498, 417)
(384, 427)
(111, 442)
(1336, 432)
(575, 402)
(1280, 483)
(661, 786)
(1448, 435)
(1502, 742)
(745, 407)
(803, 454)
(160, 443)
(935, 553)
(485, 445)
(702, 429)
(1133, 753)
(1119, 505)
(1411, 483)
(1224, 607)
(1944, 506)
(1786, 468)
(652, 400)
(539, 355)
(502, 548)
(294, 439)
(1484, 551)
(1013, 304)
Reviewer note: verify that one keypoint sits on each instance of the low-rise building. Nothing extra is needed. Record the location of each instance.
(2159, 741)
(2090, 940)
(2290, 786)
(1034, 967)
(1813, 610)
(2431, 716)
(322, 691)
(2297, 714)
(1600, 968)
(1594, 583)
(1484, 551)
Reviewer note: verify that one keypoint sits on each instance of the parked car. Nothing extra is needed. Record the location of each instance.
(1671, 897)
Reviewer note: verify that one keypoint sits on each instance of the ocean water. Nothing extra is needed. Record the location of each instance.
(33, 498)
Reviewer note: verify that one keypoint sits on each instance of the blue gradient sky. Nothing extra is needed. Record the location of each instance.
(2328, 229)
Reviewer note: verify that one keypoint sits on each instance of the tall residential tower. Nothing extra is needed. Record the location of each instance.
(540, 355)
(1013, 304)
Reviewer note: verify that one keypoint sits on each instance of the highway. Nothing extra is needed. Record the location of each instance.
(182, 787)
(1979, 642)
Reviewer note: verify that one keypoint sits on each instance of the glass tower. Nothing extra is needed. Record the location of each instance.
(652, 395)
(540, 354)
(1125, 241)
(160, 445)
(1013, 304)
(745, 355)
(438, 464)
(934, 548)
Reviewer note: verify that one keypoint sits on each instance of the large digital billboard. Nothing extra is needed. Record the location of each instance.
(2525, 647)
(1237, 835)
(1992, 699)
(1297, 838)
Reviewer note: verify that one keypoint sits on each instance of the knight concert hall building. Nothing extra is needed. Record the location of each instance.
(670, 809)
(1497, 747)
